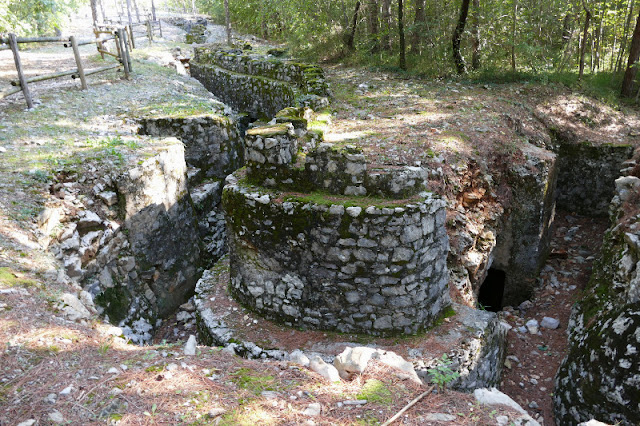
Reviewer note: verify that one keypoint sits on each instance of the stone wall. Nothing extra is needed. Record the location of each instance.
(523, 238)
(258, 85)
(213, 149)
(600, 377)
(330, 266)
(212, 142)
(141, 258)
(271, 150)
(586, 175)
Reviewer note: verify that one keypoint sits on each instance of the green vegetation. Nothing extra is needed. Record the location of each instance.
(252, 381)
(442, 375)
(12, 279)
(375, 392)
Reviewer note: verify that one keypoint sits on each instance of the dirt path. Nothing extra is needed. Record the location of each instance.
(534, 359)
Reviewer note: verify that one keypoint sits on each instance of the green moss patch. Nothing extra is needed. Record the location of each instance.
(12, 279)
(374, 391)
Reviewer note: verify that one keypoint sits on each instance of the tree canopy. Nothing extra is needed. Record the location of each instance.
(30, 17)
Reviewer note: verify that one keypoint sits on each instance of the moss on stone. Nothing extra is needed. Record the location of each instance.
(115, 301)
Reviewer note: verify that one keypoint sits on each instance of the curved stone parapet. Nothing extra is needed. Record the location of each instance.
(316, 264)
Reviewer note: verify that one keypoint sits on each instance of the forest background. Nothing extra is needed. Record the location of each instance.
(592, 45)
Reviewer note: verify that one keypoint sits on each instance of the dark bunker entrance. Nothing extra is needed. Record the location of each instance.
(492, 290)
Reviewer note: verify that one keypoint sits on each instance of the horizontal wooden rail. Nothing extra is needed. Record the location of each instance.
(6, 92)
(98, 70)
(35, 39)
(106, 52)
(44, 77)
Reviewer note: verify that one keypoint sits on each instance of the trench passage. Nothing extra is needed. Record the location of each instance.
(492, 290)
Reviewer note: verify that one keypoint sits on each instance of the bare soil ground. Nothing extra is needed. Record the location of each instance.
(49, 364)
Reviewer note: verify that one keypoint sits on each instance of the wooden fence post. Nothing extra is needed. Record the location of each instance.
(132, 41)
(126, 52)
(76, 53)
(121, 46)
(149, 31)
(23, 81)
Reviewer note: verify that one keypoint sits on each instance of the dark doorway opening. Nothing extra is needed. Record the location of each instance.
(492, 290)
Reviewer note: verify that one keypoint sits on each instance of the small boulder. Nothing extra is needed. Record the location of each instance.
(353, 361)
(550, 323)
(298, 357)
(190, 347)
(313, 409)
(327, 371)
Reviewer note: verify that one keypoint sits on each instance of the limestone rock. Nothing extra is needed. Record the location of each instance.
(550, 323)
(190, 346)
(73, 308)
(353, 361)
(298, 357)
(313, 410)
(327, 371)
(494, 397)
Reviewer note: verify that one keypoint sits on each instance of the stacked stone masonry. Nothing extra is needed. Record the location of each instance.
(258, 85)
(352, 269)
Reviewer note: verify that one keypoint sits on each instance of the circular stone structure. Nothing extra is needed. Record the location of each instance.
(310, 263)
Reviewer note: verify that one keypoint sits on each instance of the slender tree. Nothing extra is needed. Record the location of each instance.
(475, 36)
(403, 47)
(514, 27)
(461, 66)
(419, 25)
(94, 11)
(372, 25)
(350, 36)
(632, 63)
(585, 33)
(385, 40)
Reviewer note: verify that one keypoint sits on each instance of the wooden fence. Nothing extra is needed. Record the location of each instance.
(124, 40)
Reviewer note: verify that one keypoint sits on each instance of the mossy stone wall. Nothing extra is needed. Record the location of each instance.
(326, 266)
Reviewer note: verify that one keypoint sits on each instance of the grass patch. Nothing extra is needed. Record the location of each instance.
(324, 198)
(376, 392)
(251, 380)
(11, 279)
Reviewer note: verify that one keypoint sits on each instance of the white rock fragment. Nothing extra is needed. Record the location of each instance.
(313, 409)
(327, 371)
(550, 323)
(66, 391)
(532, 326)
(56, 417)
(73, 308)
(353, 361)
(298, 357)
(29, 422)
(190, 347)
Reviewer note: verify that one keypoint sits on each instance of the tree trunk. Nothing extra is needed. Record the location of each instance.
(102, 13)
(350, 38)
(135, 7)
(567, 29)
(94, 11)
(385, 41)
(129, 12)
(623, 43)
(372, 25)
(403, 47)
(227, 21)
(634, 54)
(514, 26)
(419, 26)
(585, 33)
(475, 36)
(461, 66)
